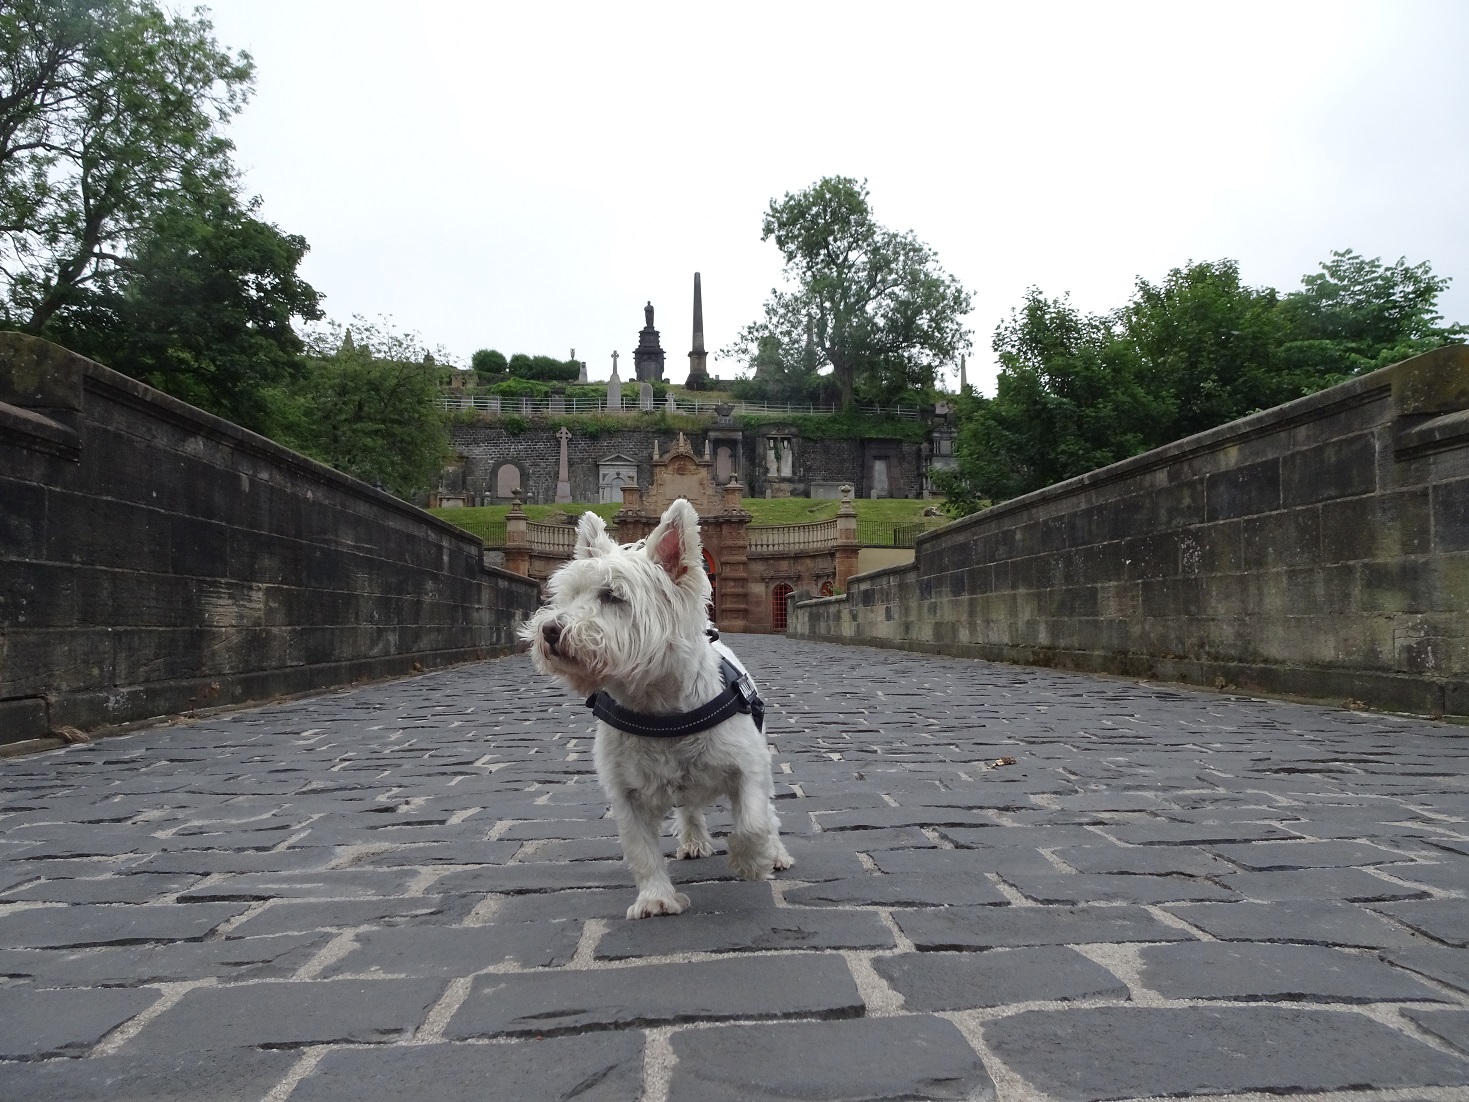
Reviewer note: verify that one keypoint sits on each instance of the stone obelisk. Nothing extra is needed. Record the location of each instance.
(698, 358)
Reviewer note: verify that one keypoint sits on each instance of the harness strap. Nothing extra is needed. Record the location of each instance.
(739, 695)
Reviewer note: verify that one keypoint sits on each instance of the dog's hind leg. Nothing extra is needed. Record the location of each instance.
(637, 827)
(693, 834)
(783, 858)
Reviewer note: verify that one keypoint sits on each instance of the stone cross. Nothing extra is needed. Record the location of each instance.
(614, 388)
(563, 478)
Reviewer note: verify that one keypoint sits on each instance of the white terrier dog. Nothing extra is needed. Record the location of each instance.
(628, 626)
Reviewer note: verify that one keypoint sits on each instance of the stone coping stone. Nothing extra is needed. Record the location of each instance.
(1247, 971)
(1350, 885)
(799, 985)
(792, 928)
(290, 1014)
(961, 928)
(458, 950)
(84, 924)
(967, 981)
(133, 966)
(1096, 1055)
(225, 1075)
(1451, 1026)
(1279, 856)
(1312, 922)
(1445, 920)
(1447, 966)
(1082, 887)
(599, 1067)
(63, 1023)
(863, 1060)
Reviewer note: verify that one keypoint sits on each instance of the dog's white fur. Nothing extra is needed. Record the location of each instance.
(631, 619)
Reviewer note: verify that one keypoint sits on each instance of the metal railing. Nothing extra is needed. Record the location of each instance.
(819, 535)
(540, 407)
(873, 533)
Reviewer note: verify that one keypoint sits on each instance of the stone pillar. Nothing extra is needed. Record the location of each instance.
(563, 476)
(517, 539)
(733, 613)
(846, 546)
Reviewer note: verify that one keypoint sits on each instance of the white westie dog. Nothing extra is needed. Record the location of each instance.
(627, 625)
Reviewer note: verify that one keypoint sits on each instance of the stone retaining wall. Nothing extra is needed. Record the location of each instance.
(1320, 548)
(156, 559)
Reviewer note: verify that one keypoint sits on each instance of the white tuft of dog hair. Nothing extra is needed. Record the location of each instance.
(632, 620)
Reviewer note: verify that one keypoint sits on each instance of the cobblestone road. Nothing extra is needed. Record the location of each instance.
(412, 891)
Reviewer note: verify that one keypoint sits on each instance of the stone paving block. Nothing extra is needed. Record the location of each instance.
(324, 884)
(870, 1060)
(807, 928)
(1057, 887)
(997, 927)
(948, 864)
(1143, 860)
(546, 1003)
(212, 862)
(1447, 966)
(226, 1075)
(139, 887)
(881, 817)
(599, 1067)
(458, 950)
(438, 853)
(247, 958)
(54, 927)
(1247, 971)
(535, 829)
(822, 860)
(1451, 876)
(34, 1024)
(309, 915)
(1448, 1025)
(277, 1013)
(1092, 1055)
(966, 981)
(1312, 922)
(898, 891)
(1351, 885)
(540, 878)
(1194, 834)
(1445, 920)
(1277, 856)
(1020, 837)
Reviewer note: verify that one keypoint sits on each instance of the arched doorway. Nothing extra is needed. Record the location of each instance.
(711, 568)
(778, 597)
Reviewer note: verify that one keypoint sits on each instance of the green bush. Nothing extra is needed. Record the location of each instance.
(544, 368)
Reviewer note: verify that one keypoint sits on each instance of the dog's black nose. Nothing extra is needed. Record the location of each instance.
(551, 633)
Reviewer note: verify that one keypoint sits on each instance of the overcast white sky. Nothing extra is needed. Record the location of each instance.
(525, 176)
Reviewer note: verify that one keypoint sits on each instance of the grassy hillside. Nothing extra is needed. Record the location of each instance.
(787, 510)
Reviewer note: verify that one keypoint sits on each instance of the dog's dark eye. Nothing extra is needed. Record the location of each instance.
(607, 597)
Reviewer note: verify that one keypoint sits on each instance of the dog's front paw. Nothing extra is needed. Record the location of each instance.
(665, 904)
(783, 860)
(689, 850)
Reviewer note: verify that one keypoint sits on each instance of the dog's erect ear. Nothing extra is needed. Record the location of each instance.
(591, 537)
(674, 544)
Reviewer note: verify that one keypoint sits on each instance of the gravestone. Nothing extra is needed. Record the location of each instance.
(614, 388)
(558, 401)
(645, 396)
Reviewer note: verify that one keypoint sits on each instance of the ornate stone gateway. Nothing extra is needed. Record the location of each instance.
(722, 523)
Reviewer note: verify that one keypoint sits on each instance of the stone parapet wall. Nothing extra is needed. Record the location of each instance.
(1320, 548)
(155, 559)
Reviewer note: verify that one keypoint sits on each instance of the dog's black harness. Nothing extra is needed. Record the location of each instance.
(739, 695)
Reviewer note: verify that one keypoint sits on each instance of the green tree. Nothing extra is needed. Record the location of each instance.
(878, 308)
(489, 366)
(369, 408)
(204, 309)
(1356, 314)
(110, 109)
